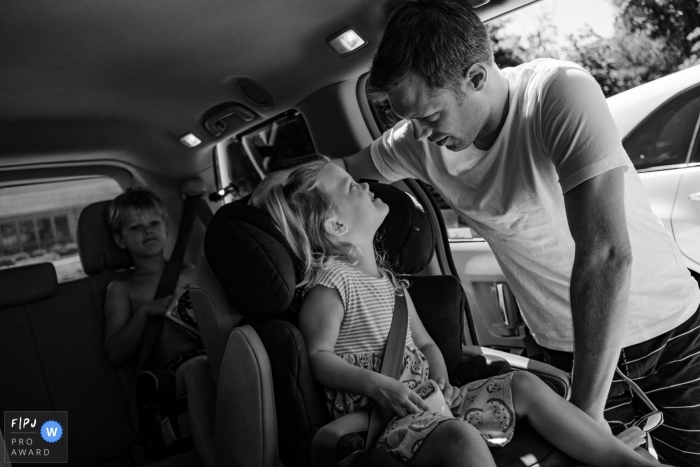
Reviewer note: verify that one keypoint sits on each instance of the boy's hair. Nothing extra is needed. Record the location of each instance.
(299, 208)
(433, 40)
(140, 199)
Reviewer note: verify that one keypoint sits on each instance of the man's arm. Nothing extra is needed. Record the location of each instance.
(360, 166)
(600, 283)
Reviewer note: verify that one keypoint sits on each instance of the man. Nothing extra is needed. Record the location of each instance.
(530, 158)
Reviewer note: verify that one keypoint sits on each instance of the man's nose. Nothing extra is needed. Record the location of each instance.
(420, 131)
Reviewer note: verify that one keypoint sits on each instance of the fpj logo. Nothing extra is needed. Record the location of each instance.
(36, 437)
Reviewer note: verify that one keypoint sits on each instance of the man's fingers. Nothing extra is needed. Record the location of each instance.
(632, 437)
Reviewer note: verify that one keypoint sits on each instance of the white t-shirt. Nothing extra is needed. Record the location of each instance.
(558, 134)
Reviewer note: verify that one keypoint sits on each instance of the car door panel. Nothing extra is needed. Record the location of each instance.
(686, 215)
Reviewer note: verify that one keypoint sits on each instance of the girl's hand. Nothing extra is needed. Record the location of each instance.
(397, 398)
(451, 393)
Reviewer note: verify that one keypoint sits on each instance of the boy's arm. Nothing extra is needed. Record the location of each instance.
(124, 329)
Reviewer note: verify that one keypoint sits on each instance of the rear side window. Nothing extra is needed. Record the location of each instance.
(280, 143)
(457, 229)
(38, 222)
(664, 138)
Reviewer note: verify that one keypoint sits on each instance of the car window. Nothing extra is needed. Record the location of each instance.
(664, 138)
(282, 142)
(457, 229)
(38, 222)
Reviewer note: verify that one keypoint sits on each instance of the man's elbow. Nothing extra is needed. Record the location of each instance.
(613, 257)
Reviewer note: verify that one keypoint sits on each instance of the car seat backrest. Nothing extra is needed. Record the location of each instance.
(256, 270)
(51, 341)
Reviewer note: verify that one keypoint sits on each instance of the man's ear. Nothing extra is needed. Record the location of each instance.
(333, 227)
(119, 240)
(476, 76)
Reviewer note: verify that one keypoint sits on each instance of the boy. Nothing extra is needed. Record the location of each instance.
(139, 224)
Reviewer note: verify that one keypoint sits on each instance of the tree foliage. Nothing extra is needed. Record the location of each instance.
(652, 38)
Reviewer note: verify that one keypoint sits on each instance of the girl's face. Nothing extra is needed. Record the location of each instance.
(357, 213)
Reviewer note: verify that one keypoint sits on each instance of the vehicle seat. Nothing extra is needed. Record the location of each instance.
(104, 262)
(268, 404)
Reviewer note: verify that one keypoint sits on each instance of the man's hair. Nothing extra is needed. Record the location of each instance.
(433, 40)
(139, 199)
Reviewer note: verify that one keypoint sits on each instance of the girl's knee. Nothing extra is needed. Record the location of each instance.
(459, 434)
(526, 388)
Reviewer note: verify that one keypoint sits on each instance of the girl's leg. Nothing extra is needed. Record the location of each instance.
(567, 427)
(453, 443)
(194, 378)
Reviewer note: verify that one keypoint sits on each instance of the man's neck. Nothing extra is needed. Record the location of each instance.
(498, 111)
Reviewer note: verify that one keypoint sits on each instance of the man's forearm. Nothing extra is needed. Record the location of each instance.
(599, 296)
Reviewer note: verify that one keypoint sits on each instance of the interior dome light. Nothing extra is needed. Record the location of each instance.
(190, 140)
(346, 41)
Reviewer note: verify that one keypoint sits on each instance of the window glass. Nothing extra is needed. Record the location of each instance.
(38, 222)
(664, 138)
(457, 229)
(282, 143)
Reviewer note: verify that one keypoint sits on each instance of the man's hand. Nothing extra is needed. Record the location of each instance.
(633, 437)
(157, 307)
(275, 178)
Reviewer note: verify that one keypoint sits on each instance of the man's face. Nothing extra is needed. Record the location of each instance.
(440, 115)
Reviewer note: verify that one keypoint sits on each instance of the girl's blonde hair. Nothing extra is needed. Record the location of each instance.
(299, 208)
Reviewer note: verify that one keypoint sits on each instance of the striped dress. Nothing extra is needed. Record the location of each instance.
(368, 303)
(369, 306)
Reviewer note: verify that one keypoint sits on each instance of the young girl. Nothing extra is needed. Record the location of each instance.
(330, 222)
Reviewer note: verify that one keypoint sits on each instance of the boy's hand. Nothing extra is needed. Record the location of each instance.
(397, 398)
(452, 394)
(157, 307)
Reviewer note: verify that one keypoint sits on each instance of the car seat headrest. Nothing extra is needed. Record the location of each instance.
(26, 284)
(256, 266)
(405, 236)
(97, 250)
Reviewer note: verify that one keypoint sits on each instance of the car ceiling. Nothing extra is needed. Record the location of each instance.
(120, 79)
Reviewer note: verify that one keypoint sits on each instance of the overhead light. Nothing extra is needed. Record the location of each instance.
(346, 41)
(190, 140)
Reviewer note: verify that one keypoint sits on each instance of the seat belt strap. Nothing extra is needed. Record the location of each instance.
(326, 439)
(166, 286)
(391, 367)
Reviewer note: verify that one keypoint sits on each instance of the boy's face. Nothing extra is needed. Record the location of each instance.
(143, 234)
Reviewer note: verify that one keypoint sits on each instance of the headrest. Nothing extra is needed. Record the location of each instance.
(27, 284)
(255, 264)
(98, 252)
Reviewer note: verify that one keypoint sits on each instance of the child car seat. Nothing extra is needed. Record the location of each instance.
(269, 407)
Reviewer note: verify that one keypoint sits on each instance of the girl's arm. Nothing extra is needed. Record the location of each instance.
(438, 369)
(319, 321)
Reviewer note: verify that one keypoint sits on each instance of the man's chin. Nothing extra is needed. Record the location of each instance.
(456, 146)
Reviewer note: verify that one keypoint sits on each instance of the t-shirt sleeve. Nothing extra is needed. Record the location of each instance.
(578, 130)
(397, 154)
(333, 277)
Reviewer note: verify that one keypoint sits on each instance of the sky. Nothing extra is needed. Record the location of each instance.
(569, 16)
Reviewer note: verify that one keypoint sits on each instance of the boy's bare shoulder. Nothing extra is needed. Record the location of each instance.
(118, 286)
